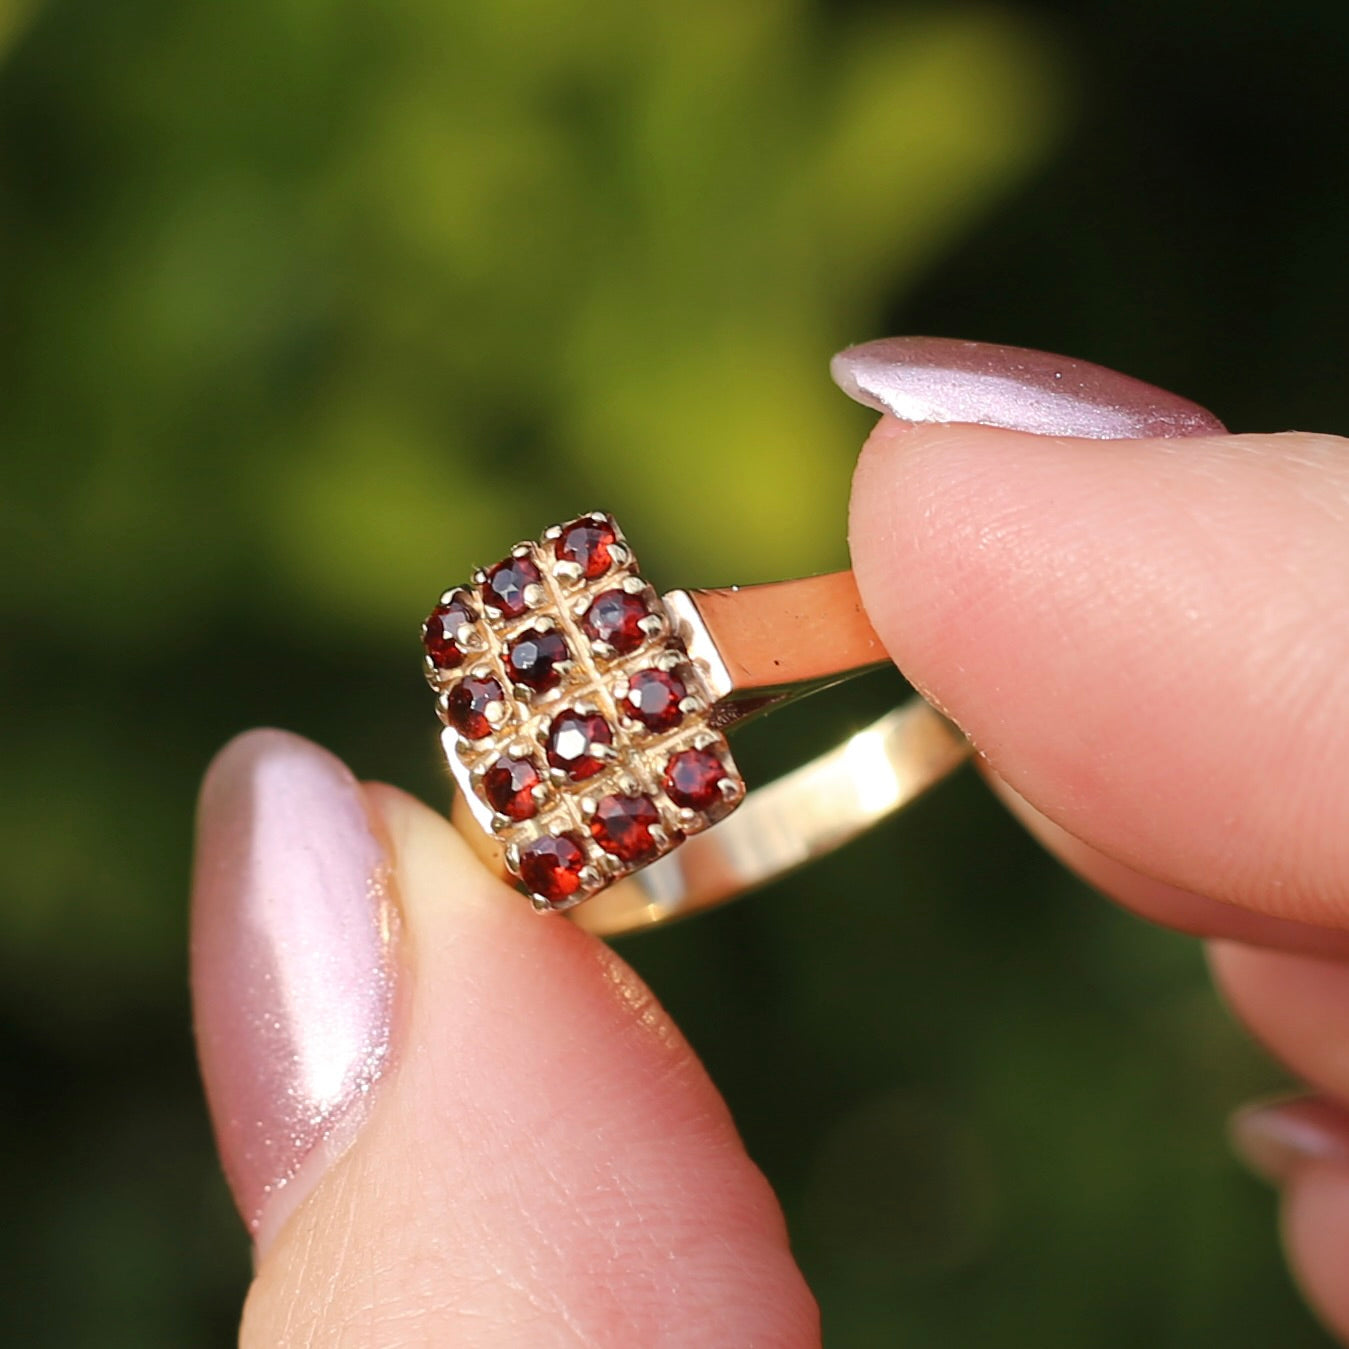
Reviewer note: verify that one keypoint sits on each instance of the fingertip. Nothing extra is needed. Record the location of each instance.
(1169, 905)
(1316, 1235)
(1295, 1005)
(478, 939)
(548, 1157)
(1134, 634)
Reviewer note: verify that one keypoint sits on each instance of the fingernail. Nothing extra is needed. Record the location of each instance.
(1275, 1138)
(936, 379)
(292, 971)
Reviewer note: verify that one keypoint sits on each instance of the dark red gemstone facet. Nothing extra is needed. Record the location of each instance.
(571, 743)
(509, 786)
(533, 658)
(691, 779)
(467, 704)
(506, 582)
(444, 622)
(622, 826)
(587, 542)
(551, 867)
(654, 698)
(615, 617)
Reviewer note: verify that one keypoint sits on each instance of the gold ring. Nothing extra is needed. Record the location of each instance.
(585, 719)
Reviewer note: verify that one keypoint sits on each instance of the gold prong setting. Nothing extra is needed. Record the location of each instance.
(570, 710)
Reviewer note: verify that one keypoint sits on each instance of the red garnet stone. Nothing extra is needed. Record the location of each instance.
(506, 582)
(468, 702)
(533, 658)
(587, 542)
(615, 616)
(571, 743)
(654, 698)
(439, 638)
(691, 779)
(551, 866)
(509, 786)
(622, 826)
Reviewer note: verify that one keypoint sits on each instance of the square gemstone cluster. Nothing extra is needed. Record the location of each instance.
(575, 722)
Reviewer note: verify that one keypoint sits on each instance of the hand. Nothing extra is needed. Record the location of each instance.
(1148, 643)
(493, 1134)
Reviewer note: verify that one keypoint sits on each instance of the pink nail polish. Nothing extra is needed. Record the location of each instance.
(1275, 1138)
(935, 379)
(292, 971)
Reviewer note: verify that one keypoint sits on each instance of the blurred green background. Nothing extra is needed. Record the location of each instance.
(308, 305)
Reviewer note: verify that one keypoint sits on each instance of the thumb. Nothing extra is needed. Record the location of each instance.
(445, 1118)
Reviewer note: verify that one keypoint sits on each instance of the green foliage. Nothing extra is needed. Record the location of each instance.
(337, 281)
(313, 309)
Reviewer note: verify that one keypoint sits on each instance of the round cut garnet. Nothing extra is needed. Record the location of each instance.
(622, 826)
(587, 542)
(533, 658)
(615, 617)
(506, 583)
(691, 779)
(468, 702)
(654, 697)
(509, 788)
(551, 866)
(440, 634)
(572, 739)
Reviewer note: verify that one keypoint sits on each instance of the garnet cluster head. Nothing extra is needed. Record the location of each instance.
(576, 724)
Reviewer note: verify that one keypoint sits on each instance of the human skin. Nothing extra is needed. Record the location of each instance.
(1144, 639)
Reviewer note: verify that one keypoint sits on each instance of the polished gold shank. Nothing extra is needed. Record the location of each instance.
(782, 637)
(787, 823)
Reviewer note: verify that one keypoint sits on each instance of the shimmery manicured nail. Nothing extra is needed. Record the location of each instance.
(1275, 1138)
(291, 963)
(934, 379)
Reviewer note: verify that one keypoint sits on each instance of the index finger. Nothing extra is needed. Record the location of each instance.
(1144, 638)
